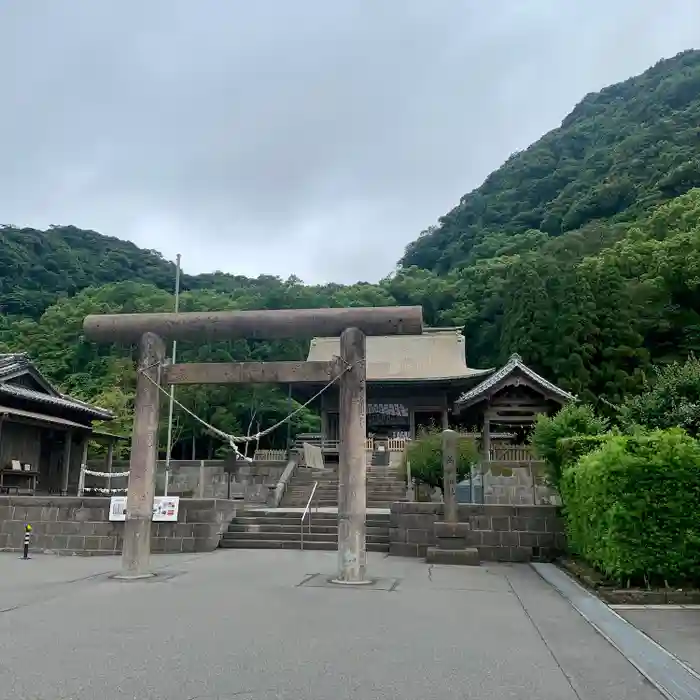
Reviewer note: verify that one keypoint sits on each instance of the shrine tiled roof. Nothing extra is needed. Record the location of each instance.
(15, 365)
(514, 364)
(437, 354)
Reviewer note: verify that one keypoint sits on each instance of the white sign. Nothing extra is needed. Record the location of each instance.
(117, 508)
(165, 509)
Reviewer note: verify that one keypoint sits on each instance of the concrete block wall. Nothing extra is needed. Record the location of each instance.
(251, 482)
(507, 533)
(514, 485)
(70, 525)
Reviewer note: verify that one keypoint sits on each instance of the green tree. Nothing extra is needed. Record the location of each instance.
(425, 455)
(670, 398)
(550, 433)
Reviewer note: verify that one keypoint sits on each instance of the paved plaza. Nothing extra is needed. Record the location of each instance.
(258, 625)
(676, 628)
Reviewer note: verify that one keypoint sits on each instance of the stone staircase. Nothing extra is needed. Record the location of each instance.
(385, 485)
(278, 529)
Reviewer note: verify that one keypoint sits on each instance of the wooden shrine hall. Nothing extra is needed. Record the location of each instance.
(44, 434)
(419, 381)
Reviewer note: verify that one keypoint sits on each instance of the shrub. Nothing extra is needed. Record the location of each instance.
(425, 455)
(574, 420)
(572, 449)
(632, 507)
(671, 398)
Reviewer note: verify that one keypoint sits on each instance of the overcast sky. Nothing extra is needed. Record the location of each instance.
(307, 137)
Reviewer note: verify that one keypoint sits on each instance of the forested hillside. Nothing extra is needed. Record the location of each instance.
(619, 152)
(581, 253)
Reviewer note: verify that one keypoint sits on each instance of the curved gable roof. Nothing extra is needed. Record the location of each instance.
(15, 365)
(514, 365)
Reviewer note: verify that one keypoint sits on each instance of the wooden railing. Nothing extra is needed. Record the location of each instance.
(393, 444)
(397, 444)
(512, 453)
(270, 455)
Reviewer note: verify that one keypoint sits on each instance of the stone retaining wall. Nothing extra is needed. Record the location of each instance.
(499, 532)
(70, 525)
(252, 483)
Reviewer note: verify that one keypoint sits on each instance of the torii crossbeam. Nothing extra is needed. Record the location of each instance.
(151, 330)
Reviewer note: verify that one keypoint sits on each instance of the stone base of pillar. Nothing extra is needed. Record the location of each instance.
(453, 545)
(137, 548)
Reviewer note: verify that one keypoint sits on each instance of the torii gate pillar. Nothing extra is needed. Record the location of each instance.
(136, 549)
(352, 469)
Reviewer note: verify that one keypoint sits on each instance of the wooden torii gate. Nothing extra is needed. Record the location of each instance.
(151, 331)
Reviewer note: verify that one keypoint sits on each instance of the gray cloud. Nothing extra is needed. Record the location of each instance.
(311, 137)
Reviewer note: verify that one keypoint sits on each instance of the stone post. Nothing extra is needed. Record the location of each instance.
(453, 539)
(108, 465)
(449, 474)
(83, 466)
(445, 419)
(67, 445)
(352, 469)
(144, 454)
(200, 490)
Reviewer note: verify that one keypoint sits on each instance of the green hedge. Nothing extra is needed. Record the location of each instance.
(573, 421)
(632, 508)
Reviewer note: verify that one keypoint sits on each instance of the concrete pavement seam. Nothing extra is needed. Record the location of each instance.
(542, 572)
(569, 680)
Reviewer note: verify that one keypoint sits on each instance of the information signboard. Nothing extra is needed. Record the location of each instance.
(165, 509)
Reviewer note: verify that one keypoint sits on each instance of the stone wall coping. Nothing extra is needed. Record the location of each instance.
(470, 509)
(94, 501)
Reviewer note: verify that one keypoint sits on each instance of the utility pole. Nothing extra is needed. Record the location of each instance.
(171, 403)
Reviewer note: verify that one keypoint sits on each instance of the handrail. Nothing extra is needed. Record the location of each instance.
(307, 510)
(281, 486)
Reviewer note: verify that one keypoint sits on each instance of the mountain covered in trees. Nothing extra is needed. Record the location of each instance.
(582, 253)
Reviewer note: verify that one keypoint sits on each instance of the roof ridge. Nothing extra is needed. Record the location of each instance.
(31, 394)
(515, 361)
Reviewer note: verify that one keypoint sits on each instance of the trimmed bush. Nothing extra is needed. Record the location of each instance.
(632, 508)
(425, 455)
(572, 421)
(571, 449)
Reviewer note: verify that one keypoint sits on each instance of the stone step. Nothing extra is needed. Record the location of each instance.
(333, 496)
(372, 471)
(235, 527)
(464, 557)
(290, 544)
(296, 536)
(294, 488)
(383, 504)
(315, 520)
(294, 516)
(307, 488)
(333, 502)
(330, 480)
(371, 474)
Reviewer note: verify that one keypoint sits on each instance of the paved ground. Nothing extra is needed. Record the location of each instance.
(677, 630)
(238, 624)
